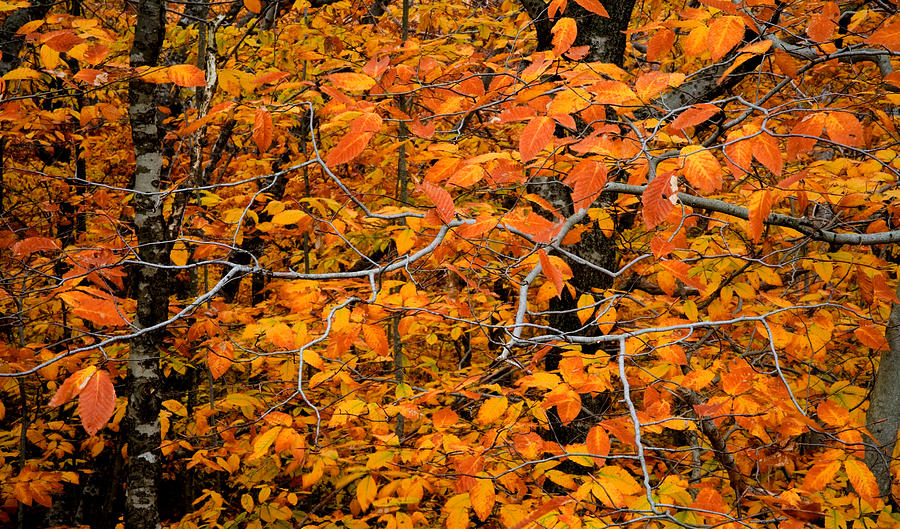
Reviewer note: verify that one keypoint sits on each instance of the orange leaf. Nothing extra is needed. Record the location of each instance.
(564, 32)
(765, 149)
(30, 245)
(833, 414)
(187, 75)
(694, 116)
(101, 311)
(97, 402)
(862, 480)
(870, 336)
(219, 358)
(551, 272)
(760, 206)
(254, 6)
(368, 122)
(820, 475)
(598, 442)
(844, 128)
(658, 199)
(594, 6)
(376, 339)
(738, 154)
(701, 168)
(492, 409)
(444, 418)
(822, 25)
(441, 199)
(660, 44)
(281, 336)
(351, 81)
(587, 179)
(535, 136)
(72, 386)
(888, 36)
(482, 497)
(724, 34)
(350, 146)
(262, 129)
(809, 126)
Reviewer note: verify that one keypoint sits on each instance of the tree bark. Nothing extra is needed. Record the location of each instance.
(150, 283)
(883, 417)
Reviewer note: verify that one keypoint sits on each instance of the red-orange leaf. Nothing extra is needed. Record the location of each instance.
(660, 44)
(254, 6)
(376, 339)
(844, 128)
(72, 386)
(262, 129)
(657, 199)
(587, 179)
(34, 244)
(350, 146)
(888, 36)
(694, 116)
(564, 32)
(760, 206)
(551, 272)
(97, 402)
(598, 442)
(95, 306)
(594, 6)
(809, 126)
(535, 136)
(724, 34)
(351, 81)
(186, 75)
(441, 199)
(765, 149)
(281, 336)
(368, 122)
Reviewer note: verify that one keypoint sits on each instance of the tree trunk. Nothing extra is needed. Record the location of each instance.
(150, 283)
(883, 417)
(605, 36)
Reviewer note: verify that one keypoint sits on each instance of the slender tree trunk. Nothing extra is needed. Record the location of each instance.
(883, 417)
(150, 283)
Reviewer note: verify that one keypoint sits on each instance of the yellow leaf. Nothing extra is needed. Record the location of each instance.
(179, 254)
(366, 492)
(862, 480)
(263, 441)
(585, 308)
(492, 409)
(290, 216)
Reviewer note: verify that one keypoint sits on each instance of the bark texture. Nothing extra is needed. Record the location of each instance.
(883, 417)
(150, 283)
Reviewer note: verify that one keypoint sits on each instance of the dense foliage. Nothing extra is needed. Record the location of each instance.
(424, 270)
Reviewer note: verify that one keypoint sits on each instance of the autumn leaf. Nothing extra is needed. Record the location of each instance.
(844, 128)
(694, 116)
(820, 475)
(368, 122)
(659, 199)
(887, 36)
(96, 402)
(350, 146)
(72, 386)
(797, 144)
(351, 81)
(587, 179)
(760, 206)
(482, 497)
(701, 168)
(492, 409)
(598, 442)
(366, 491)
(724, 34)
(551, 272)
(262, 129)
(281, 336)
(564, 32)
(95, 306)
(376, 339)
(594, 6)
(833, 414)
(766, 150)
(442, 201)
(32, 245)
(535, 136)
(254, 6)
(186, 75)
(219, 358)
(862, 480)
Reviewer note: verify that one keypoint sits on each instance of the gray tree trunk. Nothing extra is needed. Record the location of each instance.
(150, 283)
(883, 417)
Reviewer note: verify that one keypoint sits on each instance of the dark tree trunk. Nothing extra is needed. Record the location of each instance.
(605, 36)
(150, 283)
(883, 417)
